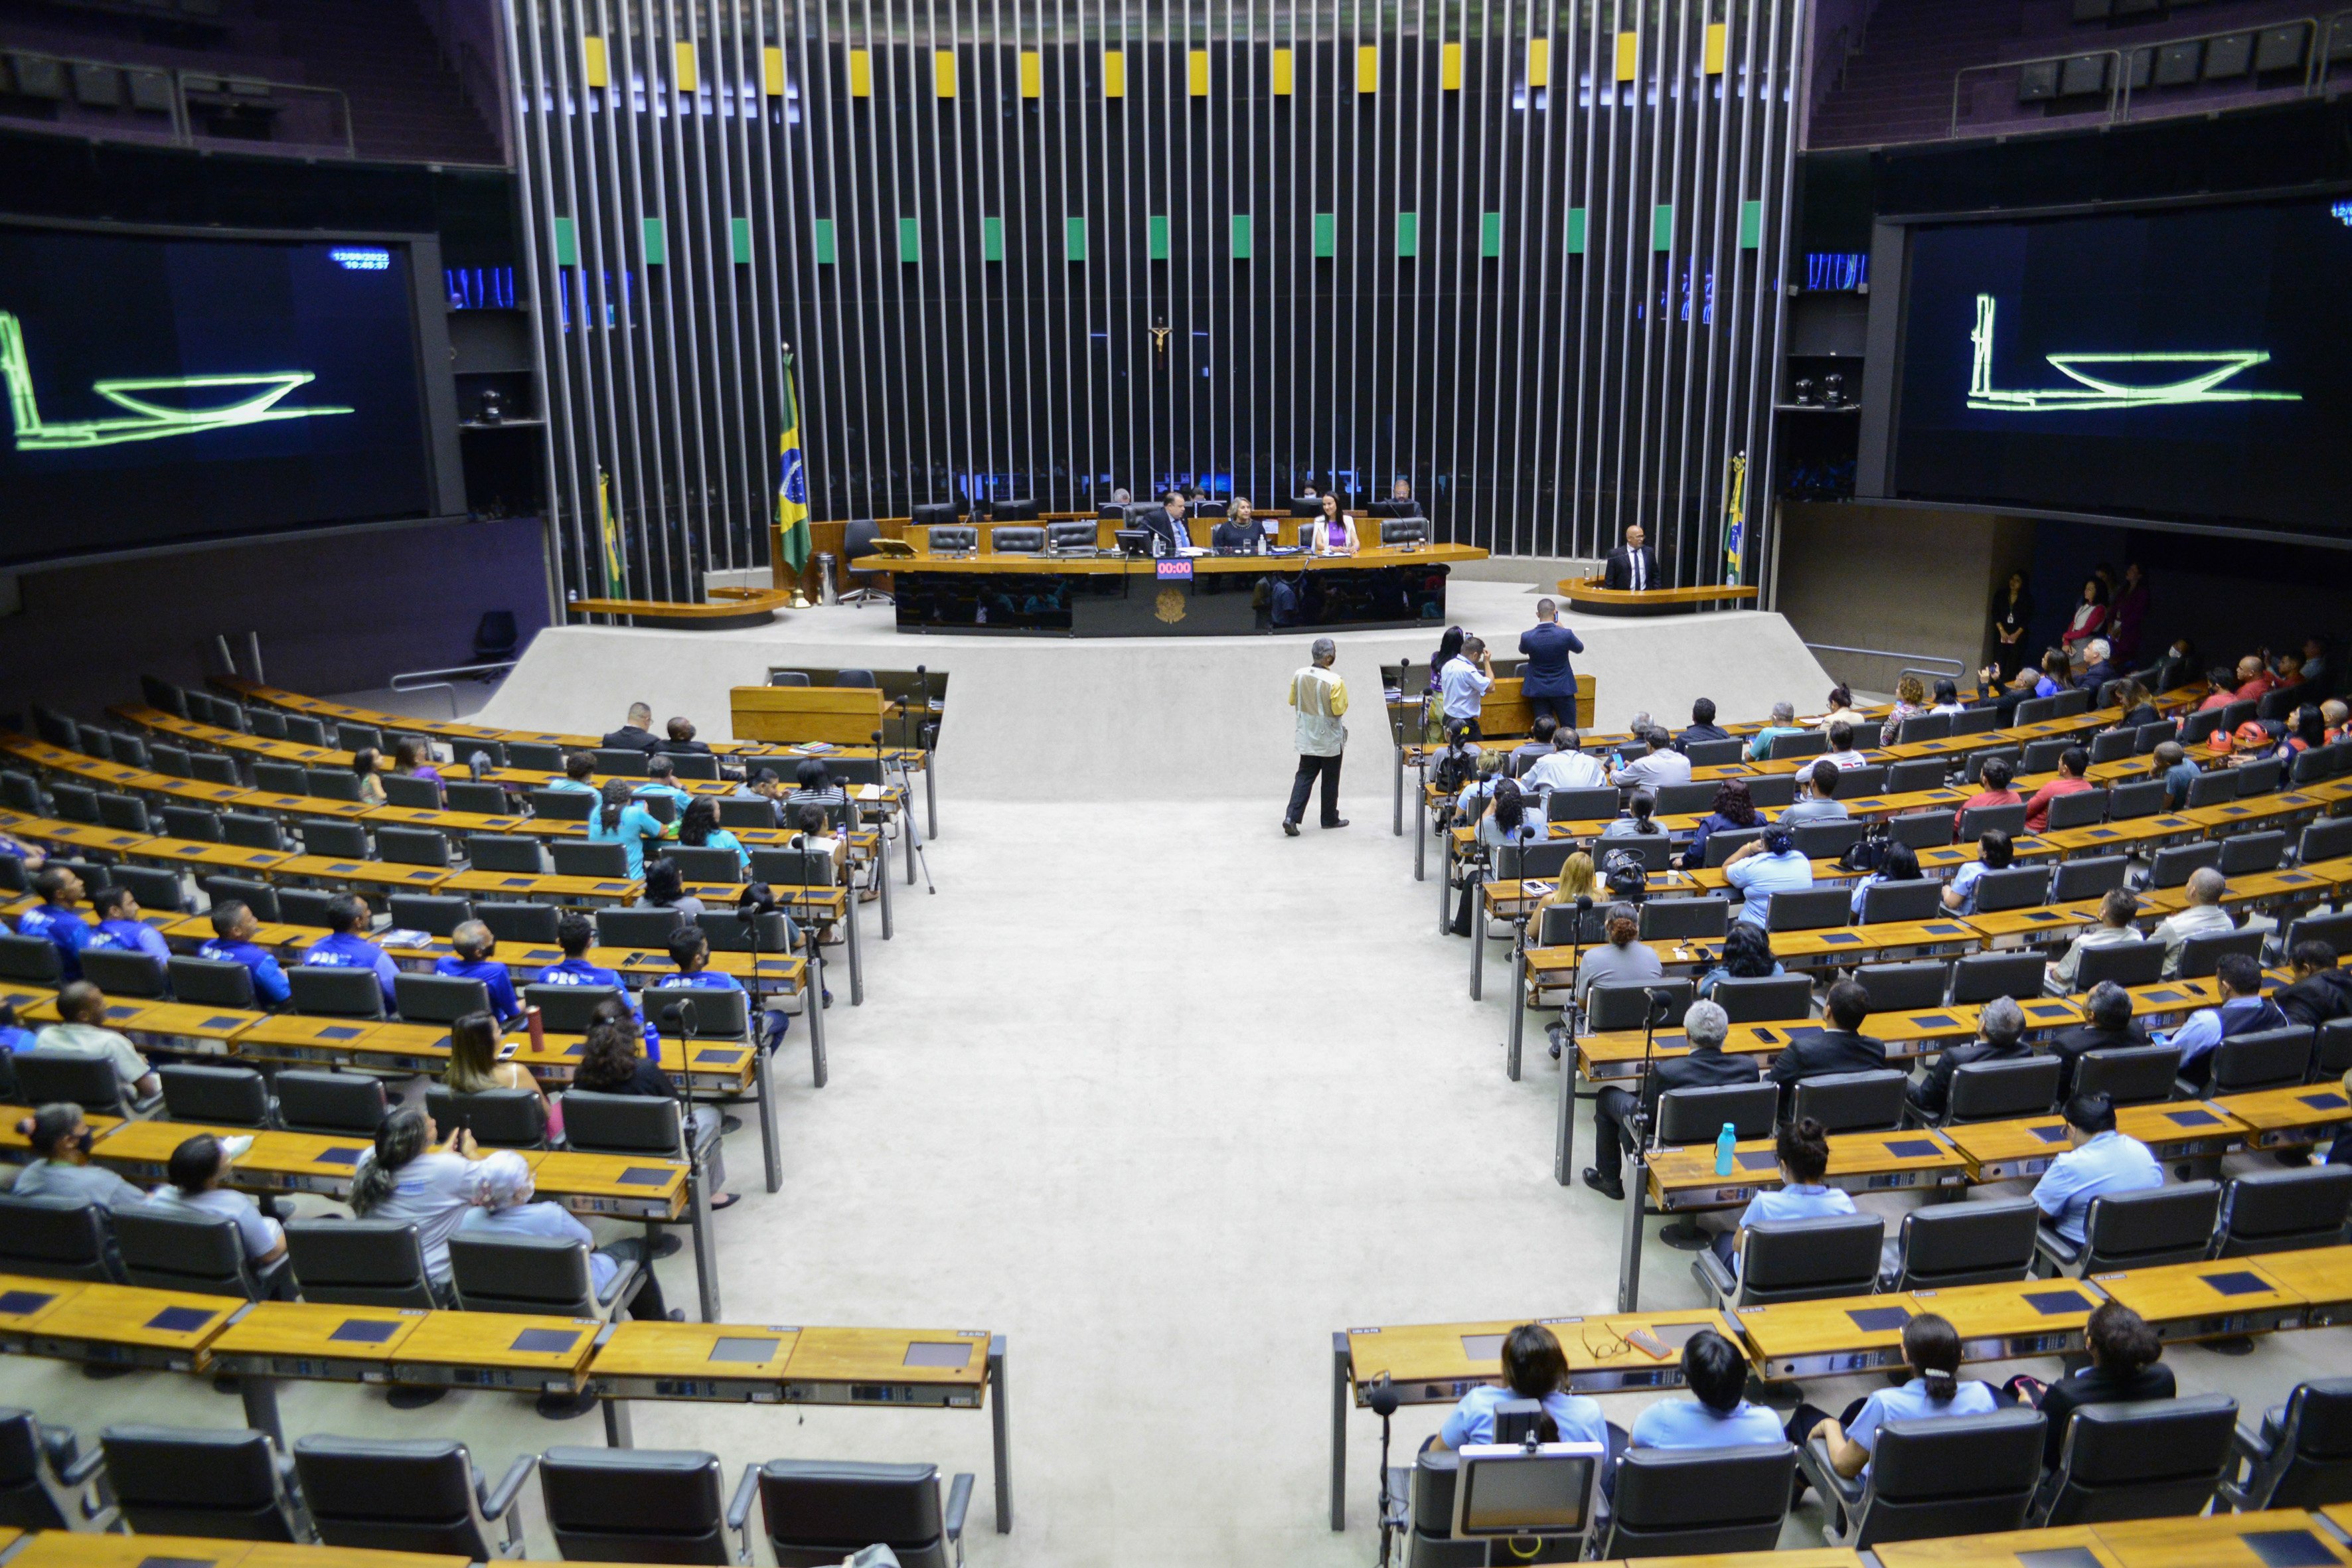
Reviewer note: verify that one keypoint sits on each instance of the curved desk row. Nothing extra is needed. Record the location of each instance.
(1585, 595)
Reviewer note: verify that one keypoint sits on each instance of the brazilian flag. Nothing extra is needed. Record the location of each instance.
(792, 482)
(617, 571)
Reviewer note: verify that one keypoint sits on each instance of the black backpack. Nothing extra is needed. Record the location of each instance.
(1454, 769)
(1869, 852)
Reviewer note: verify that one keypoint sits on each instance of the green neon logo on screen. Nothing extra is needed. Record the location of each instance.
(2108, 389)
(149, 420)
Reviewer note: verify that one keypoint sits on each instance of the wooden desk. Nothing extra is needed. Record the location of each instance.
(121, 1325)
(1436, 1364)
(722, 1362)
(565, 892)
(16, 1148)
(498, 1350)
(26, 1302)
(842, 715)
(2013, 1320)
(1683, 1180)
(387, 874)
(2011, 1549)
(1826, 1339)
(2172, 1129)
(2216, 1299)
(179, 1026)
(298, 1037)
(2322, 1276)
(1587, 596)
(316, 1342)
(2219, 1540)
(2289, 1118)
(74, 1549)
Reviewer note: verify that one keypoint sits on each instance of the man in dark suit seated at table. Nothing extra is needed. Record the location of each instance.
(636, 735)
(1547, 683)
(1841, 1048)
(1634, 565)
(1169, 531)
(1704, 1026)
(1400, 502)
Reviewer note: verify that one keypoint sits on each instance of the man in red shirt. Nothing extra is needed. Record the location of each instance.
(2073, 765)
(1993, 782)
(2255, 680)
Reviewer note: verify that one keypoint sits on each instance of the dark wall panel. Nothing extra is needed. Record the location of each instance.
(1032, 285)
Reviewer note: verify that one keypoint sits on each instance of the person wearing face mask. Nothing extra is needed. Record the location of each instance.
(60, 1168)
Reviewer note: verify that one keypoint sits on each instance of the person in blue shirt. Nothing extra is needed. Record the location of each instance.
(1782, 722)
(1534, 1367)
(1802, 1147)
(121, 930)
(2099, 1159)
(56, 921)
(1901, 864)
(689, 949)
(1994, 853)
(503, 1191)
(16, 848)
(661, 779)
(234, 929)
(1717, 1414)
(472, 960)
(1763, 866)
(623, 821)
(575, 934)
(344, 948)
(13, 1037)
(1931, 1348)
(697, 827)
(2243, 1010)
(579, 774)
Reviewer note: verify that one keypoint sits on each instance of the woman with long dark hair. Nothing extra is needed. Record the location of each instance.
(416, 1176)
(2090, 616)
(666, 888)
(1901, 864)
(1448, 648)
(1931, 1348)
(2124, 1367)
(612, 1063)
(2012, 617)
(1747, 956)
(697, 827)
(620, 818)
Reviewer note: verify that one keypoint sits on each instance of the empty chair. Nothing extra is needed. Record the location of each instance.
(2201, 956)
(622, 762)
(19, 792)
(819, 1512)
(1704, 920)
(55, 1239)
(330, 1103)
(1904, 987)
(2260, 777)
(46, 1075)
(483, 799)
(220, 1484)
(1855, 783)
(1962, 1475)
(637, 928)
(1979, 820)
(1999, 1091)
(216, 1096)
(2125, 962)
(2155, 1458)
(2331, 1056)
(44, 1482)
(359, 1262)
(280, 778)
(1947, 1245)
(307, 730)
(410, 1495)
(536, 757)
(1982, 977)
(74, 803)
(210, 982)
(578, 857)
(336, 840)
(644, 1505)
(413, 846)
(2172, 864)
(1626, 1006)
(516, 852)
(1921, 829)
(745, 813)
(562, 804)
(1796, 1260)
(2128, 1074)
(2334, 930)
(2113, 746)
(1892, 903)
(1827, 840)
(1512, 861)
(2247, 854)
(2015, 887)
(434, 914)
(195, 824)
(521, 922)
(351, 737)
(213, 767)
(1597, 805)
(401, 789)
(166, 1248)
(2137, 1230)
(122, 813)
(333, 784)
(1678, 1501)
(2325, 840)
(1920, 772)
(437, 999)
(2264, 1058)
(335, 993)
(2090, 878)
(2284, 1210)
(497, 1118)
(118, 971)
(1810, 910)
(2299, 1454)
(252, 832)
(1690, 799)
(2144, 797)
(1765, 999)
(1697, 1115)
(1851, 1101)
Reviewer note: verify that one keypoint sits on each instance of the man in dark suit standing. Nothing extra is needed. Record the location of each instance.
(1841, 1048)
(636, 735)
(1634, 565)
(1704, 1028)
(1547, 683)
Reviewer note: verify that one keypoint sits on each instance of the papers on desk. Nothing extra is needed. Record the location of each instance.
(405, 938)
(1191, 550)
(869, 791)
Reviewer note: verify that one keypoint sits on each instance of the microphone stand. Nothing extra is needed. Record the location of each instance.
(1382, 1395)
(1637, 1191)
(906, 814)
(1563, 1143)
(681, 1013)
(751, 912)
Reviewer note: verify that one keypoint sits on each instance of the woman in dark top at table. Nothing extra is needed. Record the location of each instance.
(2123, 1368)
(2013, 612)
(1733, 809)
(610, 1062)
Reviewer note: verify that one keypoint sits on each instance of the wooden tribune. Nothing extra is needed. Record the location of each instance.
(840, 715)
(1587, 596)
(727, 608)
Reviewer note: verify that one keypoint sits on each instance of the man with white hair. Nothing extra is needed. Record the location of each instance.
(1783, 723)
(2098, 666)
(2203, 917)
(503, 1190)
(1704, 1025)
(1320, 697)
(2000, 1037)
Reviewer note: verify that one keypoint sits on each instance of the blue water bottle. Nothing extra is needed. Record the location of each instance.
(1724, 1142)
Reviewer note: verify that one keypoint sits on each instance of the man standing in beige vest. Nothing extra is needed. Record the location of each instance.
(1321, 698)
